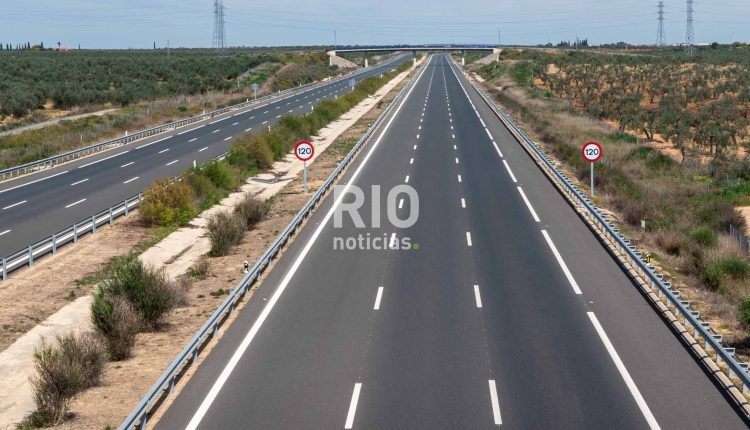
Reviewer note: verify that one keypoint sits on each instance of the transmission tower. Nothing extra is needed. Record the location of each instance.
(660, 39)
(689, 34)
(219, 37)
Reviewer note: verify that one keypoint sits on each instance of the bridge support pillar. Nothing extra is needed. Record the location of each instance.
(414, 57)
(367, 60)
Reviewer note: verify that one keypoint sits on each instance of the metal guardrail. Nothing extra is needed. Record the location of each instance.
(34, 166)
(189, 355)
(647, 271)
(28, 254)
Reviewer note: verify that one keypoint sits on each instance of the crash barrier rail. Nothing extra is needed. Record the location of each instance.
(30, 253)
(690, 317)
(34, 166)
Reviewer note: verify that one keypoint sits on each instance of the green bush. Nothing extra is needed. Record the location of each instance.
(744, 311)
(224, 230)
(704, 236)
(61, 372)
(150, 291)
(251, 210)
(167, 203)
(206, 193)
(715, 273)
(220, 174)
(116, 321)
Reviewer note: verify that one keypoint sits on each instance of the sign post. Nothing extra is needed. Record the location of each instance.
(592, 152)
(304, 151)
(255, 90)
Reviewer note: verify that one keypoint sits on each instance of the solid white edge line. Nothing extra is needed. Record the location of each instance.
(639, 400)
(15, 204)
(468, 238)
(528, 204)
(353, 406)
(377, 298)
(495, 403)
(561, 262)
(214, 122)
(103, 159)
(510, 172)
(477, 296)
(34, 181)
(238, 353)
(75, 203)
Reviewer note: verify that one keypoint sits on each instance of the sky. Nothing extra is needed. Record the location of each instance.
(189, 23)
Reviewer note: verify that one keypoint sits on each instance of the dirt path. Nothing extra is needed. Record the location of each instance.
(54, 121)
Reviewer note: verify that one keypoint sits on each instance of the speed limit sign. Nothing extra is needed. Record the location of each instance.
(592, 152)
(304, 150)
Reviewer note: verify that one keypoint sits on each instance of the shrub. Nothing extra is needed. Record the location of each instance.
(224, 230)
(704, 236)
(251, 210)
(201, 269)
(168, 203)
(744, 310)
(150, 291)
(204, 190)
(220, 174)
(117, 322)
(715, 273)
(63, 371)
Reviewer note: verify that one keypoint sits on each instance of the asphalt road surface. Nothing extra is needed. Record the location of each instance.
(34, 207)
(510, 313)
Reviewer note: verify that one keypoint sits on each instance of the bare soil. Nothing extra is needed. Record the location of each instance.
(34, 293)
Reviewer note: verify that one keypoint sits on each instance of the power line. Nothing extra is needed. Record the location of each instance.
(660, 38)
(219, 36)
(689, 33)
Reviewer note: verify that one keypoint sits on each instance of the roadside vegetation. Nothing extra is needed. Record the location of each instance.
(147, 88)
(674, 145)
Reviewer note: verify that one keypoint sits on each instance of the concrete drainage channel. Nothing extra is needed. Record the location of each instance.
(718, 359)
(165, 384)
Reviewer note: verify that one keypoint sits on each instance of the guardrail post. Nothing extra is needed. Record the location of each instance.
(93, 223)
(126, 208)
(75, 233)
(5, 269)
(54, 243)
(31, 256)
(110, 216)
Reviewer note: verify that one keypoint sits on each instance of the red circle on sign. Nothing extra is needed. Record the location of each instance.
(592, 152)
(304, 150)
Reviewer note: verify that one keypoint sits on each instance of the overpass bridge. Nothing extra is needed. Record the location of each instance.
(367, 50)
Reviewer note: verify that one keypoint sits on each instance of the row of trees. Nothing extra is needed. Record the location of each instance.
(701, 109)
(29, 79)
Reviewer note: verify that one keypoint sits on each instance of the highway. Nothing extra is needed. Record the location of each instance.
(35, 206)
(510, 312)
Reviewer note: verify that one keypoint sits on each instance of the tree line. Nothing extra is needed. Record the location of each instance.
(703, 109)
(29, 79)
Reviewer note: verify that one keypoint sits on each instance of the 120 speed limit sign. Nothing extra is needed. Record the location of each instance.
(592, 152)
(304, 150)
